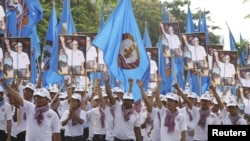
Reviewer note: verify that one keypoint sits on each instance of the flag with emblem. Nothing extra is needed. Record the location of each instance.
(123, 49)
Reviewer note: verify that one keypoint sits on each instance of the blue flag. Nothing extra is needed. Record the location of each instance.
(146, 38)
(51, 76)
(204, 27)
(122, 45)
(164, 15)
(189, 23)
(231, 40)
(66, 24)
(243, 54)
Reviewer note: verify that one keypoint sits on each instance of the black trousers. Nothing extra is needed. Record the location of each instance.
(76, 138)
(21, 136)
(117, 139)
(98, 137)
(3, 135)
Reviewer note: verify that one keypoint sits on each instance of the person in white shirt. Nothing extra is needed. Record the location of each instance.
(21, 61)
(153, 71)
(173, 41)
(2, 18)
(127, 121)
(229, 113)
(39, 116)
(5, 118)
(76, 57)
(173, 123)
(228, 70)
(73, 119)
(199, 54)
(91, 55)
(246, 101)
(245, 81)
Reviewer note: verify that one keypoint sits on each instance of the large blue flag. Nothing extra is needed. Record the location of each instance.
(189, 23)
(231, 40)
(66, 24)
(165, 17)
(51, 76)
(243, 54)
(146, 38)
(122, 45)
(204, 27)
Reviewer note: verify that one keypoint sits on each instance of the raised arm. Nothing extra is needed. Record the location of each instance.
(216, 96)
(144, 96)
(157, 92)
(7, 42)
(14, 94)
(62, 39)
(183, 96)
(108, 90)
(162, 29)
(184, 37)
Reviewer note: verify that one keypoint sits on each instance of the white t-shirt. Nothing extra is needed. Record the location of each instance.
(227, 70)
(94, 114)
(125, 129)
(91, 53)
(156, 132)
(173, 40)
(73, 130)
(245, 82)
(180, 125)
(198, 52)
(75, 58)
(20, 60)
(199, 132)
(50, 124)
(226, 120)
(5, 115)
(2, 13)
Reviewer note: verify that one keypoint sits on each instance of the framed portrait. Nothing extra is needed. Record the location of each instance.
(153, 59)
(71, 54)
(194, 51)
(243, 75)
(3, 18)
(91, 63)
(16, 58)
(170, 39)
(224, 67)
(243, 92)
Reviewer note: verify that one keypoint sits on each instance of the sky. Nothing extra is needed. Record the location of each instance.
(226, 11)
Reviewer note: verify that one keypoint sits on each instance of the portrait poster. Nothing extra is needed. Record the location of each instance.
(71, 54)
(243, 75)
(194, 51)
(243, 93)
(153, 59)
(16, 58)
(170, 39)
(224, 69)
(3, 17)
(92, 54)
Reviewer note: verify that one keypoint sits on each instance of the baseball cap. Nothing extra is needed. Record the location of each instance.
(63, 95)
(172, 96)
(30, 86)
(117, 89)
(205, 97)
(232, 102)
(53, 89)
(43, 93)
(76, 96)
(191, 95)
(96, 97)
(79, 89)
(128, 96)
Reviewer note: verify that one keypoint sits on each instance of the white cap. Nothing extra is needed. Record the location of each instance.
(79, 89)
(76, 96)
(128, 96)
(117, 89)
(206, 97)
(96, 97)
(191, 95)
(215, 101)
(30, 86)
(53, 89)
(63, 95)
(42, 92)
(232, 102)
(104, 94)
(172, 96)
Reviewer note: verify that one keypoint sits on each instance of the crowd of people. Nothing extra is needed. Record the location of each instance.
(29, 112)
